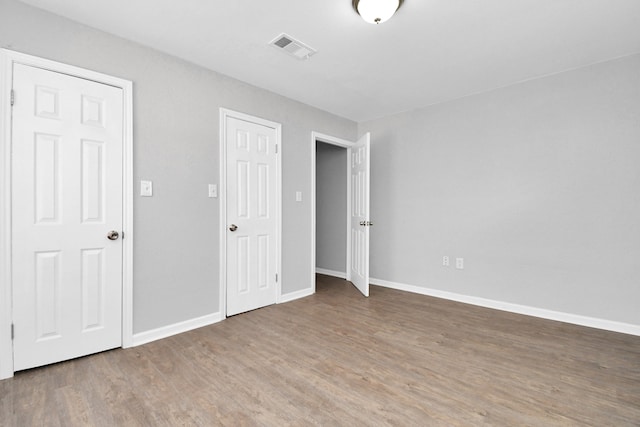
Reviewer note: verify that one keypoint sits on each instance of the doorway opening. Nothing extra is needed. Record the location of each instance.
(340, 239)
(331, 209)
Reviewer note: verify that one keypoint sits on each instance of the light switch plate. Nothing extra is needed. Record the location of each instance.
(213, 190)
(298, 196)
(146, 188)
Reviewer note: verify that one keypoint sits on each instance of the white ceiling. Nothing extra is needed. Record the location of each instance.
(431, 51)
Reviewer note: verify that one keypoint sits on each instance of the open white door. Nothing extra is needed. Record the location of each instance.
(360, 222)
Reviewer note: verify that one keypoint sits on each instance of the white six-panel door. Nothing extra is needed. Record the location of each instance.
(360, 216)
(251, 213)
(67, 149)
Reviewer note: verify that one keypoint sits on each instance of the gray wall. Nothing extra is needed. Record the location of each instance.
(536, 185)
(331, 207)
(176, 143)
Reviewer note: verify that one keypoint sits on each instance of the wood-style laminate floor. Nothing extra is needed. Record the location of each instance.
(338, 359)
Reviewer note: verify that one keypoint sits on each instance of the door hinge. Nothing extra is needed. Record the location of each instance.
(276, 144)
(12, 331)
(13, 97)
(276, 277)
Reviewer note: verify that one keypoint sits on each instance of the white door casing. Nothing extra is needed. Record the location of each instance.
(360, 216)
(66, 197)
(78, 177)
(251, 218)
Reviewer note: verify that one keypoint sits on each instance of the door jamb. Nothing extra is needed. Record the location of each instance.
(332, 140)
(7, 59)
(224, 114)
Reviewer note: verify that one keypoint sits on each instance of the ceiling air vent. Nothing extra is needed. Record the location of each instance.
(292, 46)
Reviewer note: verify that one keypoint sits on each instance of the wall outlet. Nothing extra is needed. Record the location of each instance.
(445, 261)
(460, 263)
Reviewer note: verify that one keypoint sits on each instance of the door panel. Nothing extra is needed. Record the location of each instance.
(360, 217)
(251, 207)
(67, 147)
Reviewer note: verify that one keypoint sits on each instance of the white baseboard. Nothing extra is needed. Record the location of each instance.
(176, 328)
(592, 322)
(187, 325)
(339, 274)
(295, 295)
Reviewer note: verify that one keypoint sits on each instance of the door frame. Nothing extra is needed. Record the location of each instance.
(332, 140)
(226, 113)
(7, 59)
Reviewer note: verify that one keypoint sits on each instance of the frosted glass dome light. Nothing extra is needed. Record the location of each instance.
(376, 11)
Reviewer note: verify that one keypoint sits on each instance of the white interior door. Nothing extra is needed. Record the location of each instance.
(67, 148)
(252, 222)
(360, 218)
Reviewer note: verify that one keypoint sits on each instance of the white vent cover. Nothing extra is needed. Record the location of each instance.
(292, 46)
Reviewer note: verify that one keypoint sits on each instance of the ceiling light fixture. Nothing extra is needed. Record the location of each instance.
(376, 11)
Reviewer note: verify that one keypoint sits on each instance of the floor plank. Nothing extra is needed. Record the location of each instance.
(336, 358)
